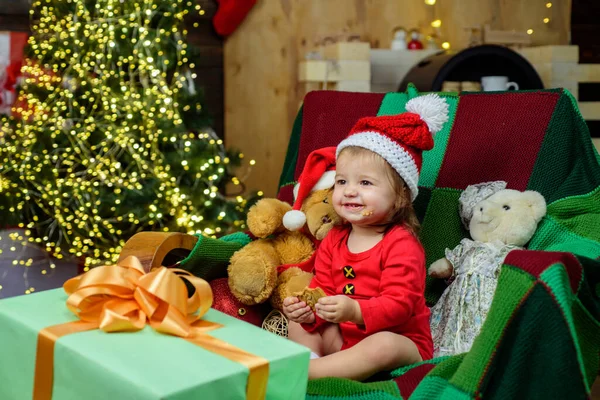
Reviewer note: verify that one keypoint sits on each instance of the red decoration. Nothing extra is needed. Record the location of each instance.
(21, 107)
(14, 42)
(8, 85)
(226, 302)
(230, 15)
(415, 43)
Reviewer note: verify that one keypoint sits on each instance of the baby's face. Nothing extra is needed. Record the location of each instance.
(362, 194)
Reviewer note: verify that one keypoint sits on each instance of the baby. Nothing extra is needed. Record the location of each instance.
(372, 271)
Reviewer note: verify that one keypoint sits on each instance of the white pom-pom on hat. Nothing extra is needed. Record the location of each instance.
(432, 109)
(294, 220)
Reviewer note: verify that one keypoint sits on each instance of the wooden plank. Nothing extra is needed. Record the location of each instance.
(552, 73)
(588, 73)
(334, 71)
(590, 110)
(506, 38)
(347, 51)
(555, 53)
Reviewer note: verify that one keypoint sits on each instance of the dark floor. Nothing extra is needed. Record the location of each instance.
(19, 279)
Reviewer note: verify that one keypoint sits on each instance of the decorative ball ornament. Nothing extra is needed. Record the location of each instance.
(225, 301)
(276, 323)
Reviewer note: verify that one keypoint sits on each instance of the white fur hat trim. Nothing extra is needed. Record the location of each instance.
(326, 181)
(391, 151)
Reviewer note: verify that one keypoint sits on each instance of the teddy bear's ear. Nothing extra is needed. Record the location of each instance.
(537, 203)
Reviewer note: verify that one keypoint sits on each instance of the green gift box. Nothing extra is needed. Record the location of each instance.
(139, 365)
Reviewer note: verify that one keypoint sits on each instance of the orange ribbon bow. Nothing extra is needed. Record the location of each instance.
(121, 298)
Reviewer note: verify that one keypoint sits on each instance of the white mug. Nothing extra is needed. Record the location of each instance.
(493, 83)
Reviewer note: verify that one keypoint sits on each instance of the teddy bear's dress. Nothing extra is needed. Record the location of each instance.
(457, 317)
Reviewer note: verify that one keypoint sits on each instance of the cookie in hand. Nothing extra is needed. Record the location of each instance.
(311, 296)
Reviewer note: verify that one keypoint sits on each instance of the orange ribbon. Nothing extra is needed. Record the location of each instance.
(121, 298)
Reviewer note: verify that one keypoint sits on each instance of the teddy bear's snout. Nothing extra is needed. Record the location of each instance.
(325, 219)
(486, 219)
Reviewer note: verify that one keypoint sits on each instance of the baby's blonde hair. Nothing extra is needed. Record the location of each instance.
(403, 212)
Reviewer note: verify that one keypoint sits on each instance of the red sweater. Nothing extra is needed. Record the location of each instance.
(388, 281)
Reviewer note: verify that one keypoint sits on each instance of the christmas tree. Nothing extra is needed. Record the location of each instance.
(108, 136)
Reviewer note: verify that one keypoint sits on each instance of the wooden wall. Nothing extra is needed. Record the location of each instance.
(261, 94)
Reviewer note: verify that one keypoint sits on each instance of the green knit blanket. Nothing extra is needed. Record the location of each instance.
(541, 338)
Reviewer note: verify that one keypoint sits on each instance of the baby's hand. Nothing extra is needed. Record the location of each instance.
(297, 311)
(338, 309)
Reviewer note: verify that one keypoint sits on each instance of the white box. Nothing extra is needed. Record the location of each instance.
(543, 54)
(389, 67)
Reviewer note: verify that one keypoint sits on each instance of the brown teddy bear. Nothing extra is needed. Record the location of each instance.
(279, 263)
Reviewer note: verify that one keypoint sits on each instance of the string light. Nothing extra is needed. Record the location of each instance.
(430, 2)
(546, 20)
(446, 45)
(100, 144)
(437, 23)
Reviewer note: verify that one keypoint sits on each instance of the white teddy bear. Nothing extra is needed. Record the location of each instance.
(499, 221)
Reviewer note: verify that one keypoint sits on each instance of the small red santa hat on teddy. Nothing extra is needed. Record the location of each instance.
(318, 174)
(399, 139)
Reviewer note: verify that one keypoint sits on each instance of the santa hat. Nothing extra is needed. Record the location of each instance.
(400, 139)
(318, 174)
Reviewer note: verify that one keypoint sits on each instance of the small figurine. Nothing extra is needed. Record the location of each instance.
(415, 43)
(399, 40)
